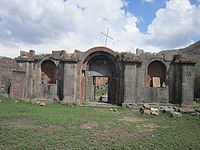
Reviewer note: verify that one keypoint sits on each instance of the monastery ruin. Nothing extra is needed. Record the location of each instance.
(129, 78)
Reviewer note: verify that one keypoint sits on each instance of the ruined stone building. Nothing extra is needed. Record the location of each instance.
(130, 78)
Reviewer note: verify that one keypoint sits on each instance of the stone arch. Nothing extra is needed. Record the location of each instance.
(48, 69)
(156, 70)
(100, 62)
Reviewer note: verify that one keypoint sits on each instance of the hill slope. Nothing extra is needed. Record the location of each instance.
(191, 51)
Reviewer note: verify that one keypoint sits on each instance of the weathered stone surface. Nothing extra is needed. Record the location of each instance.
(187, 110)
(177, 109)
(154, 111)
(130, 79)
(166, 109)
(176, 114)
(147, 106)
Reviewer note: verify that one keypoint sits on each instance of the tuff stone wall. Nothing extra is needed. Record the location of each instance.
(128, 76)
(7, 65)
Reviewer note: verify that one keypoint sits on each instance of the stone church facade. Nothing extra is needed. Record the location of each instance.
(132, 78)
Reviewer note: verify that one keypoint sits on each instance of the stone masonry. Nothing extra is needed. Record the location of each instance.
(132, 78)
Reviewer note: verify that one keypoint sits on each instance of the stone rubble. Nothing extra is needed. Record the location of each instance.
(173, 111)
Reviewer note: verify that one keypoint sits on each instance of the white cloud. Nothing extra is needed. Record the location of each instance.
(55, 24)
(148, 0)
(174, 25)
(46, 25)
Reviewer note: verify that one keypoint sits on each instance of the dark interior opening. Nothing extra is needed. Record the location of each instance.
(156, 74)
(48, 68)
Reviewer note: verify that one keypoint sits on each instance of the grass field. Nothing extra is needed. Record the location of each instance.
(29, 126)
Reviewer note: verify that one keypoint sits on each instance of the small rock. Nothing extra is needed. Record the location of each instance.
(194, 114)
(176, 114)
(147, 111)
(177, 109)
(115, 109)
(154, 109)
(197, 110)
(42, 103)
(110, 109)
(70, 102)
(146, 106)
(169, 109)
(155, 113)
(56, 98)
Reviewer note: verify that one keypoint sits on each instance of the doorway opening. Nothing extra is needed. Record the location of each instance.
(101, 88)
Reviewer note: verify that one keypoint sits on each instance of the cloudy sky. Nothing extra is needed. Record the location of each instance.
(45, 25)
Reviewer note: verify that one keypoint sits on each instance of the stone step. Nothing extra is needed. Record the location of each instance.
(99, 104)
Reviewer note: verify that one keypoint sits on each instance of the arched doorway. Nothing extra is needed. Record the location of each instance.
(48, 69)
(156, 74)
(48, 88)
(101, 66)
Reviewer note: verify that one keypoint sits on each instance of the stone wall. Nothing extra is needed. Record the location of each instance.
(129, 76)
(7, 65)
(17, 89)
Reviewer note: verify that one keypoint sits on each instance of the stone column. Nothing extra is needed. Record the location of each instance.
(187, 84)
(129, 82)
(69, 81)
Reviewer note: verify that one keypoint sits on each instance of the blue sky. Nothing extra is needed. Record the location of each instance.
(46, 25)
(146, 11)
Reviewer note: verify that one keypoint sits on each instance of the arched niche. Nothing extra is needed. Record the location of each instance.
(156, 74)
(48, 69)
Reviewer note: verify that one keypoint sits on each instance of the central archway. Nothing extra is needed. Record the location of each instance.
(101, 65)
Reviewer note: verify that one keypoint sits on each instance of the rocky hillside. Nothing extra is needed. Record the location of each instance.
(192, 51)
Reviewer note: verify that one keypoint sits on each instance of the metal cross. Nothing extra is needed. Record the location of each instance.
(107, 36)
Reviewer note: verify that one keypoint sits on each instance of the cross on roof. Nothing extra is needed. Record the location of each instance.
(107, 36)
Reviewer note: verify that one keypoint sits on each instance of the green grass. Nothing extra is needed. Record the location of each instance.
(29, 126)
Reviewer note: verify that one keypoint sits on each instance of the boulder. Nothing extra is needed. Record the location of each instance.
(56, 98)
(42, 103)
(166, 109)
(154, 111)
(176, 114)
(147, 111)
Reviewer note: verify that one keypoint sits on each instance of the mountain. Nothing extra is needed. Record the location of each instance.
(191, 51)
